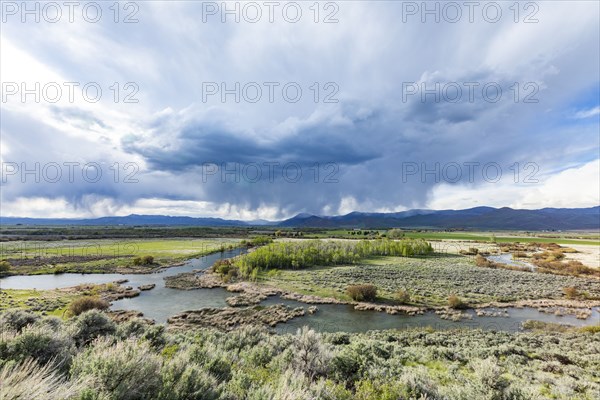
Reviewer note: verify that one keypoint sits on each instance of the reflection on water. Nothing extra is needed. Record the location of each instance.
(344, 318)
(161, 303)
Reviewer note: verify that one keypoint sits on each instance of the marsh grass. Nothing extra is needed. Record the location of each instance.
(431, 281)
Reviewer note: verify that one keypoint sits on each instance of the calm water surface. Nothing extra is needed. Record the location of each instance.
(507, 258)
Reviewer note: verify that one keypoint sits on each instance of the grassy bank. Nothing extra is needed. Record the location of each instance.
(105, 255)
(497, 237)
(48, 302)
(55, 302)
(428, 281)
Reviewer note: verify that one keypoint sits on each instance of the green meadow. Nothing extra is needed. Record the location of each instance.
(104, 255)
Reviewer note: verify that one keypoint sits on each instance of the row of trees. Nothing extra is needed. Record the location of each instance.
(256, 241)
(321, 253)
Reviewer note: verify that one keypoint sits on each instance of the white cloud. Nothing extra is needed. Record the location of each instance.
(96, 206)
(571, 188)
(588, 113)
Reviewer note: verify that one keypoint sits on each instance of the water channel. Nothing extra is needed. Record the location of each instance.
(162, 302)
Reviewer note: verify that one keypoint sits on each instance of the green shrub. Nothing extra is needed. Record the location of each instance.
(4, 266)
(368, 389)
(86, 303)
(402, 296)
(346, 365)
(42, 344)
(213, 360)
(541, 326)
(17, 319)
(53, 323)
(395, 234)
(311, 356)
(239, 385)
(418, 384)
(273, 273)
(590, 329)
(140, 329)
(59, 270)
(228, 271)
(182, 379)
(91, 325)
(143, 260)
(126, 370)
(134, 328)
(260, 355)
(169, 351)
(366, 292)
(155, 335)
(222, 266)
(259, 241)
(147, 260)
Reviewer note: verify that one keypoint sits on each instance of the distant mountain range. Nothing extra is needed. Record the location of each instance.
(129, 220)
(473, 218)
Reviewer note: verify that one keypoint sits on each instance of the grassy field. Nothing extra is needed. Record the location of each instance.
(55, 302)
(429, 281)
(104, 255)
(498, 237)
(48, 302)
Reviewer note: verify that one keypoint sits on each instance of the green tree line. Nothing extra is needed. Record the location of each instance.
(298, 255)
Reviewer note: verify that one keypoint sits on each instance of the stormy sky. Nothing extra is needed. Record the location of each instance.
(253, 110)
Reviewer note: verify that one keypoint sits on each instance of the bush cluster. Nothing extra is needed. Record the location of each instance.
(257, 241)
(572, 267)
(402, 296)
(226, 269)
(571, 292)
(362, 292)
(86, 303)
(395, 234)
(144, 260)
(456, 302)
(4, 266)
(135, 361)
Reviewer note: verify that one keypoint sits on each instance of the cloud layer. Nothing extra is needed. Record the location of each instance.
(377, 112)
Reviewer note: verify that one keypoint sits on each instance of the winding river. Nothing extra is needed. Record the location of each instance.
(162, 302)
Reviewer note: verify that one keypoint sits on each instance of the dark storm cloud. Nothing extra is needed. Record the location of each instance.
(197, 144)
